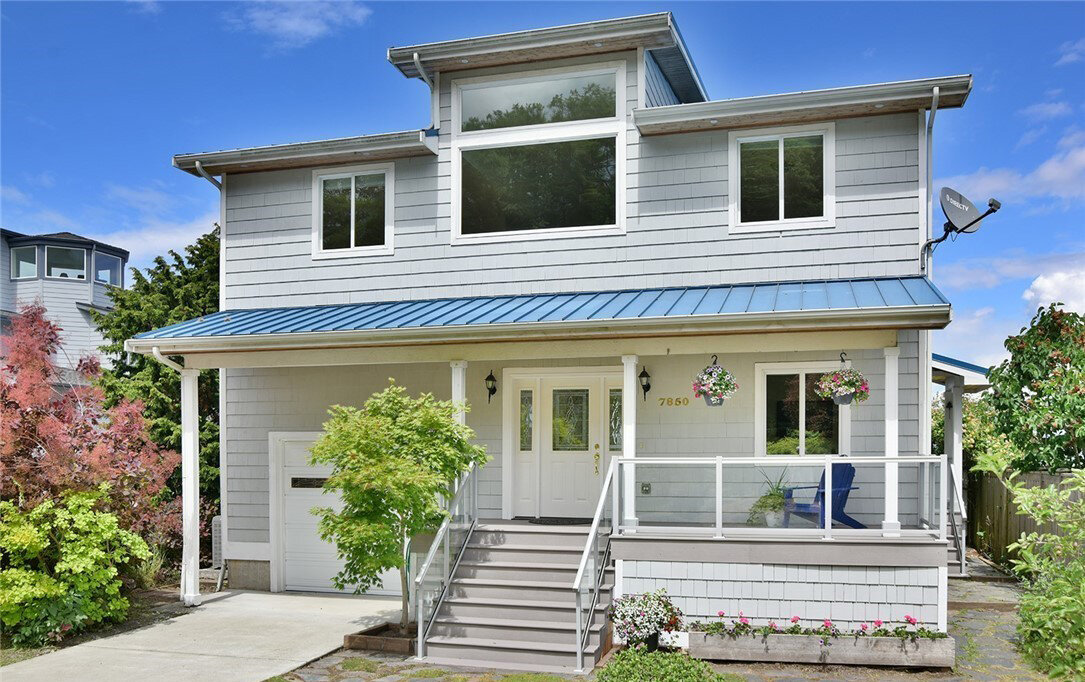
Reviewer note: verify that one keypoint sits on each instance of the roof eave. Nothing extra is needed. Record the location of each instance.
(802, 107)
(593, 37)
(895, 317)
(337, 151)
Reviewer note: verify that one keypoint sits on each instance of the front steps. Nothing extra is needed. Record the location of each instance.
(511, 602)
(953, 563)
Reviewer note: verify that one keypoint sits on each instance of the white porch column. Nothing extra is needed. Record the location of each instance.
(953, 428)
(190, 487)
(459, 386)
(891, 524)
(629, 438)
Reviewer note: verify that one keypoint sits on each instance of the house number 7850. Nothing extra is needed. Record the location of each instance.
(673, 402)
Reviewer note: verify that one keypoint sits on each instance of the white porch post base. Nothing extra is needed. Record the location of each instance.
(891, 524)
(190, 489)
(629, 439)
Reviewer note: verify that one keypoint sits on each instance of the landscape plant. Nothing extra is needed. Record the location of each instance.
(714, 383)
(393, 460)
(639, 618)
(843, 382)
(61, 564)
(637, 664)
(1038, 393)
(771, 501)
(826, 631)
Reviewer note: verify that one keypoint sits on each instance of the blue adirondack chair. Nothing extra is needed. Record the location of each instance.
(843, 475)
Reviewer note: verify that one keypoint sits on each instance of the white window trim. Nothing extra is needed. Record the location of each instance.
(539, 134)
(762, 370)
(99, 254)
(12, 267)
(66, 279)
(734, 180)
(321, 174)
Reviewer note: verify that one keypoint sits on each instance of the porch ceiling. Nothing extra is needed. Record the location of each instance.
(877, 303)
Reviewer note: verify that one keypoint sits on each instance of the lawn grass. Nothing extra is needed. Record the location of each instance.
(363, 664)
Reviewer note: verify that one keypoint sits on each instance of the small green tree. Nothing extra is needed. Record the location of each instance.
(392, 461)
(175, 289)
(1038, 394)
(977, 427)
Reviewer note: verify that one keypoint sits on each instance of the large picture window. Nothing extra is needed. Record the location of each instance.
(352, 211)
(24, 262)
(791, 419)
(62, 262)
(538, 155)
(782, 179)
(107, 269)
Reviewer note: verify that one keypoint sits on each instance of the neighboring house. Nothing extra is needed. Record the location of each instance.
(580, 232)
(70, 275)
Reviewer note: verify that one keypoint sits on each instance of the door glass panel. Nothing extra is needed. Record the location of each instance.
(570, 419)
(526, 420)
(822, 421)
(614, 423)
(782, 414)
(759, 183)
(564, 98)
(803, 177)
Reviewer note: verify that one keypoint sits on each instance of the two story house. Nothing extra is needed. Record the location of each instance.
(577, 234)
(68, 274)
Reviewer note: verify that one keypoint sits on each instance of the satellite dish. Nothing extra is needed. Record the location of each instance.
(959, 211)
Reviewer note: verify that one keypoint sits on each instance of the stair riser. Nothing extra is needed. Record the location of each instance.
(517, 634)
(564, 574)
(488, 655)
(542, 556)
(513, 612)
(565, 595)
(497, 538)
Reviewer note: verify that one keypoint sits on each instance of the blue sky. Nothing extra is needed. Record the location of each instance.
(97, 96)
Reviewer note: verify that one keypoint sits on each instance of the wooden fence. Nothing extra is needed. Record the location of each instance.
(993, 521)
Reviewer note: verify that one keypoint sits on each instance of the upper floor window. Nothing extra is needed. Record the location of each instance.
(62, 262)
(538, 156)
(107, 269)
(353, 211)
(24, 262)
(782, 178)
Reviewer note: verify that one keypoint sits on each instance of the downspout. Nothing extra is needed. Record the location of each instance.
(210, 178)
(924, 262)
(422, 72)
(164, 360)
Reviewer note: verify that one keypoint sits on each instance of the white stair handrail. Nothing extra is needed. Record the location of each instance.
(590, 548)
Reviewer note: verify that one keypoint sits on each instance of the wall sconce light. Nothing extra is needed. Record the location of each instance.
(491, 385)
(645, 382)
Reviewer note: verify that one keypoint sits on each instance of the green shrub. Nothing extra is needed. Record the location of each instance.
(638, 665)
(1052, 621)
(60, 567)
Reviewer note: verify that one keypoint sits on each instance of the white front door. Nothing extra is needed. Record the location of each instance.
(308, 562)
(572, 449)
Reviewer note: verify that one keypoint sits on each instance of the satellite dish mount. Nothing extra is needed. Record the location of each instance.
(962, 217)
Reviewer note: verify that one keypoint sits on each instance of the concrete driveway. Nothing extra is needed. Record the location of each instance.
(234, 635)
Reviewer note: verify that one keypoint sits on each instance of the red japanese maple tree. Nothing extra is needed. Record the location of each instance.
(56, 438)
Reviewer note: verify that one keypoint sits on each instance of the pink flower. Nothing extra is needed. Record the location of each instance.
(911, 621)
(827, 623)
(744, 621)
(877, 623)
(720, 614)
(863, 627)
(794, 619)
(772, 624)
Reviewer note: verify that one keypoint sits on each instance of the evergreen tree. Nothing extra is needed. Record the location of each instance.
(175, 289)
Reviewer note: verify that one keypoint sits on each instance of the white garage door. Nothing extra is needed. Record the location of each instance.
(310, 563)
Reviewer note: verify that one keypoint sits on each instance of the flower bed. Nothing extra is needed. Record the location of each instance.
(910, 645)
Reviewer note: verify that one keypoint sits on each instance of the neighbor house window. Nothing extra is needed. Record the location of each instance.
(352, 211)
(107, 269)
(539, 155)
(782, 178)
(791, 418)
(62, 262)
(24, 262)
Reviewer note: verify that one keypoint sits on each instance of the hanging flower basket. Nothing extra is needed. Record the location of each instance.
(843, 386)
(714, 384)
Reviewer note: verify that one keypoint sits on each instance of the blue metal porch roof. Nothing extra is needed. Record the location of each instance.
(679, 302)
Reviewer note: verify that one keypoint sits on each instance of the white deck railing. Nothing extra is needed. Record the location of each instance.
(715, 495)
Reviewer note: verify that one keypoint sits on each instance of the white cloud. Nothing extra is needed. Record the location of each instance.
(13, 194)
(146, 200)
(1073, 137)
(1030, 136)
(42, 179)
(1044, 111)
(1071, 52)
(1062, 176)
(986, 273)
(1053, 93)
(296, 24)
(977, 336)
(147, 6)
(1067, 286)
(154, 237)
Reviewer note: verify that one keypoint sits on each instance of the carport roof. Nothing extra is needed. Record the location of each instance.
(901, 296)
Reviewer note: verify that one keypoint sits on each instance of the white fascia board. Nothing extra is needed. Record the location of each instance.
(901, 317)
(748, 111)
(300, 154)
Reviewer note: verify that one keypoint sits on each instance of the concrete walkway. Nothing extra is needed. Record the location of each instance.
(234, 635)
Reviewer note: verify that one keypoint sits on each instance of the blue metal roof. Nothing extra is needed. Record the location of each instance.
(961, 364)
(824, 295)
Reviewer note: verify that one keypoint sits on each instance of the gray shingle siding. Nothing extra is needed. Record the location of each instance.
(657, 90)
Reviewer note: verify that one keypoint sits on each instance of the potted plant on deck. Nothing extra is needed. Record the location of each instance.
(639, 618)
(843, 385)
(715, 384)
(769, 508)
